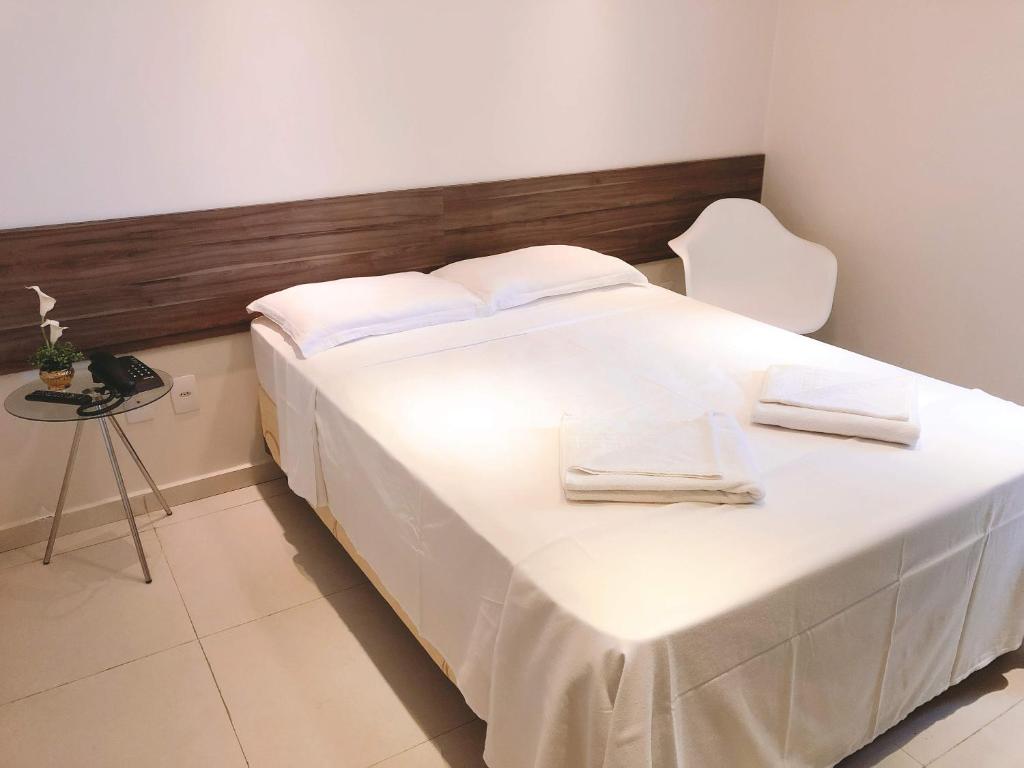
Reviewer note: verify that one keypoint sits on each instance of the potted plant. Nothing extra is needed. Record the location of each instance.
(55, 359)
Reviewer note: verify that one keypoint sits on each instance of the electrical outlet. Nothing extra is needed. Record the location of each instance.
(185, 394)
(139, 414)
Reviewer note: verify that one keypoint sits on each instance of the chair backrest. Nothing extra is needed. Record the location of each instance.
(738, 256)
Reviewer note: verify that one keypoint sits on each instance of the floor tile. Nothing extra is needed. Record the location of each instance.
(335, 682)
(951, 717)
(997, 745)
(201, 507)
(87, 537)
(245, 562)
(880, 754)
(14, 557)
(461, 748)
(86, 611)
(163, 710)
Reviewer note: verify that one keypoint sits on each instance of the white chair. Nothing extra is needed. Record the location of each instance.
(738, 256)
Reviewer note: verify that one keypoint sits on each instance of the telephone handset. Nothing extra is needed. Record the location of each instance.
(118, 377)
(124, 375)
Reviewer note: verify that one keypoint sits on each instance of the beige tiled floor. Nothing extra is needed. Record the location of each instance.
(259, 642)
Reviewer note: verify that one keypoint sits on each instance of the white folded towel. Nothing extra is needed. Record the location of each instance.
(861, 394)
(839, 403)
(658, 455)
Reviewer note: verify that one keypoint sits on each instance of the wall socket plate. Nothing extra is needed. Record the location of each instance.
(185, 394)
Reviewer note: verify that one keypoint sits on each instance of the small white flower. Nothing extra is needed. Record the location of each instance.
(53, 329)
(46, 303)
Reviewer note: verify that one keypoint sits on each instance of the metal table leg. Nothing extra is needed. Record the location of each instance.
(63, 492)
(109, 445)
(140, 465)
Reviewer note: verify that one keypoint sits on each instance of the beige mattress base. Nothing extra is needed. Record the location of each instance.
(268, 418)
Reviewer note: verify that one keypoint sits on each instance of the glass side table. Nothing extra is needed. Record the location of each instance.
(17, 405)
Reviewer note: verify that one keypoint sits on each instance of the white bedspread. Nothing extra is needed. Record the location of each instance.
(608, 634)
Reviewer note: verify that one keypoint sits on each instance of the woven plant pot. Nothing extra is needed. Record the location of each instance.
(57, 380)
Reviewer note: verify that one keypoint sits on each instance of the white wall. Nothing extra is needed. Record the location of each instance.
(895, 135)
(120, 108)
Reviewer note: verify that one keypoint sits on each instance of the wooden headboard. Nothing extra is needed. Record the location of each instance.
(151, 280)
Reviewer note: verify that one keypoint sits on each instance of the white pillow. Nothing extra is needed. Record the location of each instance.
(319, 316)
(519, 277)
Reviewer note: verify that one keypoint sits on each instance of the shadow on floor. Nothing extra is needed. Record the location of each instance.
(418, 683)
(981, 683)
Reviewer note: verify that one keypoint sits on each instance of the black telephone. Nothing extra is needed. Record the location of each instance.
(125, 376)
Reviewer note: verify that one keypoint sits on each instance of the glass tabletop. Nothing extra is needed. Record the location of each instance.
(17, 405)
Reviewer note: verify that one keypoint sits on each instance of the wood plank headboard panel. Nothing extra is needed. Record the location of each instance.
(150, 280)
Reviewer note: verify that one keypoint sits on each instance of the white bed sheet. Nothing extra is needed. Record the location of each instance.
(785, 633)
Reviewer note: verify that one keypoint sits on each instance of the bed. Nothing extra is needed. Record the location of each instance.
(788, 633)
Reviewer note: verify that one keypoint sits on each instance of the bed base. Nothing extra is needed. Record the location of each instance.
(268, 419)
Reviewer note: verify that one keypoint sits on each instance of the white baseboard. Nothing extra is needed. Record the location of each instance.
(109, 510)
